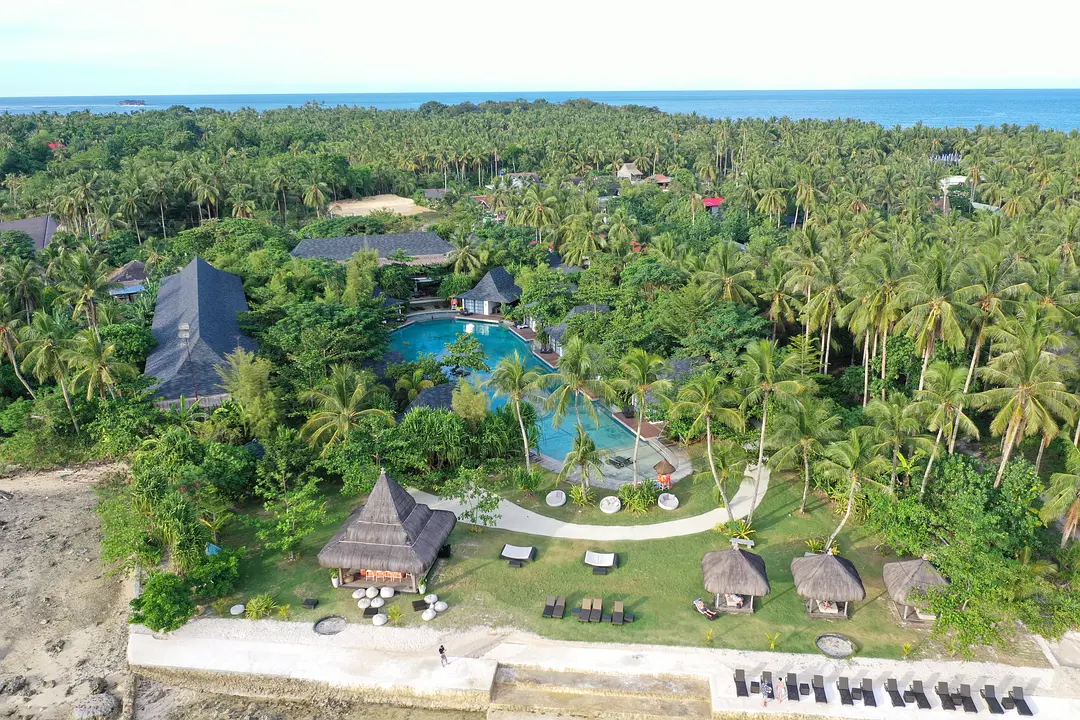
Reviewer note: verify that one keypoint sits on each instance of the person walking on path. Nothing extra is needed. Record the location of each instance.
(442, 656)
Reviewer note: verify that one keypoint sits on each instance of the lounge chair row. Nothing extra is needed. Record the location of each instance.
(864, 691)
(555, 607)
(592, 610)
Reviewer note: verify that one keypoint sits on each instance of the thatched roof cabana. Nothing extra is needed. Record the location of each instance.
(663, 467)
(390, 540)
(735, 572)
(902, 577)
(828, 583)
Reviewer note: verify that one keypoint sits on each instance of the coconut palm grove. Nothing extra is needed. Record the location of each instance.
(881, 321)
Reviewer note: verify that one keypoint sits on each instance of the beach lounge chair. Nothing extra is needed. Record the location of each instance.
(819, 689)
(894, 693)
(740, 684)
(618, 612)
(549, 606)
(586, 610)
(560, 608)
(1017, 695)
(845, 691)
(518, 555)
(601, 563)
(868, 696)
(766, 685)
(966, 699)
(597, 610)
(989, 696)
(792, 687)
(920, 695)
(945, 696)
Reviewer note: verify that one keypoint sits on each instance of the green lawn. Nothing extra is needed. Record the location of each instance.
(657, 579)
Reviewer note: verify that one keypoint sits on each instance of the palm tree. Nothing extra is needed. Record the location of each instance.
(763, 376)
(725, 276)
(576, 375)
(1063, 497)
(21, 280)
(895, 422)
(938, 312)
(83, 284)
(781, 307)
(799, 433)
(585, 457)
(413, 384)
(463, 257)
(941, 403)
(639, 375)
(44, 341)
(94, 364)
(538, 209)
(707, 399)
(340, 401)
(1030, 396)
(520, 384)
(851, 462)
(10, 322)
(315, 195)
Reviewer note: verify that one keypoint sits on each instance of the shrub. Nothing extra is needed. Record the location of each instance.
(165, 603)
(393, 614)
(581, 495)
(739, 529)
(215, 576)
(260, 606)
(637, 499)
(527, 482)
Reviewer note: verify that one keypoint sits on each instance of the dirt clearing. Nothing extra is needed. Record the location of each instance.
(375, 203)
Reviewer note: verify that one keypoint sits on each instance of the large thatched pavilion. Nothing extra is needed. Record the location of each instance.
(907, 582)
(391, 540)
(735, 577)
(828, 583)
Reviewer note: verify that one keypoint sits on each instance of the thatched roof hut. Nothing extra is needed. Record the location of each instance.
(390, 540)
(902, 577)
(828, 583)
(735, 572)
(663, 467)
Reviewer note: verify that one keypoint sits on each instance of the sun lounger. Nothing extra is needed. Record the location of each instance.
(1017, 695)
(766, 685)
(868, 696)
(618, 612)
(420, 605)
(894, 693)
(792, 687)
(845, 691)
(989, 696)
(740, 684)
(586, 610)
(560, 608)
(945, 696)
(819, 689)
(597, 610)
(601, 561)
(966, 700)
(549, 606)
(920, 695)
(517, 553)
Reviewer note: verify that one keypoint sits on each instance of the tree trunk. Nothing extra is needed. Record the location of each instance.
(67, 401)
(866, 368)
(15, 364)
(161, 207)
(967, 384)
(925, 361)
(1006, 450)
(828, 344)
(712, 467)
(637, 437)
(1038, 458)
(806, 480)
(760, 456)
(930, 463)
(884, 355)
(847, 514)
(524, 435)
(895, 462)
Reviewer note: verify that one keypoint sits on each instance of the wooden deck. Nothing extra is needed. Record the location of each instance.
(648, 429)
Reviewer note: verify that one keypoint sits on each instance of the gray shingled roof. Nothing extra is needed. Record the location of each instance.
(557, 332)
(554, 261)
(390, 532)
(40, 229)
(438, 397)
(426, 247)
(208, 300)
(497, 286)
(434, 193)
(133, 273)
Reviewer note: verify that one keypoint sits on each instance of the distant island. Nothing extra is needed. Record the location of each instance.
(132, 102)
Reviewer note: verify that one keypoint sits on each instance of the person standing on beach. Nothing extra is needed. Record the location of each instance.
(442, 656)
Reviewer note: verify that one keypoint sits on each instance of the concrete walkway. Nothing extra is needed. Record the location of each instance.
(517, 519)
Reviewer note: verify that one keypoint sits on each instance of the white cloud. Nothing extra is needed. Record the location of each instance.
(70, 47)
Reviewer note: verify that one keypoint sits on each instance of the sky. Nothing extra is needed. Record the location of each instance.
(160, 47)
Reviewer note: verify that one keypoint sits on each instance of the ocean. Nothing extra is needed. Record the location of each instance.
(1056, 109)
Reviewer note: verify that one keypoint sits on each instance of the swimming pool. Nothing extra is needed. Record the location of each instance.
(429, 337)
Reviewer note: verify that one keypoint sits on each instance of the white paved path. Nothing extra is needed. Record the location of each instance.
(517, 519)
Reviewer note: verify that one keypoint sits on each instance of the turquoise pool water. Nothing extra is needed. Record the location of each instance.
(430, 338)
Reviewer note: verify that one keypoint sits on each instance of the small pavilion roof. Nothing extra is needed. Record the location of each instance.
(736, 571)
(827, 577)
(905, 576)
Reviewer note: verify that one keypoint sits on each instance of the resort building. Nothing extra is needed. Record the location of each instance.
(629, 171)
(495, 292)
(558, 332)
(712, 204)
(424, 248)
(40, 229)
(436, 397)
(521, 179)
(661, 180)
(434, 194)
(128, 281)
(196, 326)
(390, 541)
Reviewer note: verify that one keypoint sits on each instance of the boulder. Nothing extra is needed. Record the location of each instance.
(372, 592)
(440, 606)
(97, 707)
(359, 593)
(428, 615)
(386, 593)
(379, 620)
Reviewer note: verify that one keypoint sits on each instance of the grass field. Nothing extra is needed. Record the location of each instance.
(658, 580)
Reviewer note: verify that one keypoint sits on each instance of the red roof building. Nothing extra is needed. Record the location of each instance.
(712, 202)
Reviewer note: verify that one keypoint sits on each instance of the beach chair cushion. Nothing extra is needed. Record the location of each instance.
(560, 608)
(793, 687)
(919, 695)
(1019, 702)
(516, 564)
(989, 695)
(549, 606)
(517, 552)
(845, 691)
(945, 696)
(819, 689)
(586, 610)
(600, 560)
(597, 610)
(617, 613)
(868, 696)
(740, 684)
(894, 693)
